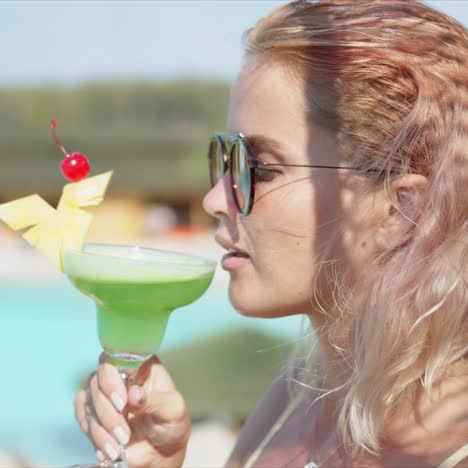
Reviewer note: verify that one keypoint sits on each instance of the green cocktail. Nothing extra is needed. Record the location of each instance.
(135, 290)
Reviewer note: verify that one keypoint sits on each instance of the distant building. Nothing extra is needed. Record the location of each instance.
(154, 135)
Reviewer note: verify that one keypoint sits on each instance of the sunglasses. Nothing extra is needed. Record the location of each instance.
(230, 151)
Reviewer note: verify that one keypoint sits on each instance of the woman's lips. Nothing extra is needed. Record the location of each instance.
(234, 260)
(235, 257)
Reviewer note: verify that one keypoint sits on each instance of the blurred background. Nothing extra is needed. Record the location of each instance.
(138, 87)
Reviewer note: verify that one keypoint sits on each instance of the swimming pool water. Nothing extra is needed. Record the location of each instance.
(48, 340)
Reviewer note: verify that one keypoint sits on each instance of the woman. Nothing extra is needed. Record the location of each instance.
(352, 118)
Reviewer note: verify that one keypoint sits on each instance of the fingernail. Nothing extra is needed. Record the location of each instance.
(139, 394)
(117, 401)
(111, 452)
(121, 435)
(100, 456)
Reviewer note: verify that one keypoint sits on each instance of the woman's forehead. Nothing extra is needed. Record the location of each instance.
(268, 84)
(265, 99)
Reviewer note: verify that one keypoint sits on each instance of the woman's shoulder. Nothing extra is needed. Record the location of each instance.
(436, 427)
(265, 415)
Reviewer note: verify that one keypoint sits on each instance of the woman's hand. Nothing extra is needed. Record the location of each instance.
(157, 427)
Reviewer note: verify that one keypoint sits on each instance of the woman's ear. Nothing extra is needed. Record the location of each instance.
(405, 201)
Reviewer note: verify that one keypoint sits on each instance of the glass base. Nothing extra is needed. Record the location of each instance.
(116, 464)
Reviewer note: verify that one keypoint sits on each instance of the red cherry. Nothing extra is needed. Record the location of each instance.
(75, 167)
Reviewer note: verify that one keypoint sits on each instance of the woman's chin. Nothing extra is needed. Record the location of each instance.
(246, 305)
(255, 307)
(242, 308)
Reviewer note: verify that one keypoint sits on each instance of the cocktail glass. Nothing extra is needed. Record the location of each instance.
(135, 290)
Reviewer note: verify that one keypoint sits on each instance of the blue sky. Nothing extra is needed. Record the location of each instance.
(74, 41)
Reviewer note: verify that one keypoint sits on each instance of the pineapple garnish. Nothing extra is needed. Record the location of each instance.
(55, 231)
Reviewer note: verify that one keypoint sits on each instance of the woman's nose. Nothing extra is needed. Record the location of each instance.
(219, 202)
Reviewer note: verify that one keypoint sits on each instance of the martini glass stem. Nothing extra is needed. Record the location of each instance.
(127, 365)
(127, 378)
(127, 374)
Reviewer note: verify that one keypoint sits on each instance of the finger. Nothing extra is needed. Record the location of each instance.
(111, 383)
(154, 377)
(80, 411)
(163, 407)
(80, 405)
(152, 384)
(102, 440)
(163, 421)
(108, 417)
(88, 380)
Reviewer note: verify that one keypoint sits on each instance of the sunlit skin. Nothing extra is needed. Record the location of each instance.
(294, 212)
(291, 223)
(289, 232)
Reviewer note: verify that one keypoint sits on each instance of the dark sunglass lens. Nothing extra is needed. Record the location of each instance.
(216, 158)
(240, 174)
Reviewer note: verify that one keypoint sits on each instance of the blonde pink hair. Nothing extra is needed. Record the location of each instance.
(390, 79)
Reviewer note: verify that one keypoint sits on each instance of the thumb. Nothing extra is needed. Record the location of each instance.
(151, 378)
(136, 398)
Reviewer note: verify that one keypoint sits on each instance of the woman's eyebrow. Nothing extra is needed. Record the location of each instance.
(260, 143)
